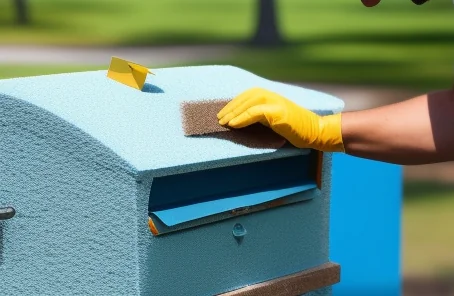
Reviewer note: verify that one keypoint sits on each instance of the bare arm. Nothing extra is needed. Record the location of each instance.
(417, 131)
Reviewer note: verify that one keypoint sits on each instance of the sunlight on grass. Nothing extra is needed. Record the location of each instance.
(335, 63)
(12, 71)
(396, 44)
(100, 22)
(88, 22)
(290, 67)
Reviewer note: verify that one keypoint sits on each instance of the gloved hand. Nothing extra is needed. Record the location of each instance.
(301, 127)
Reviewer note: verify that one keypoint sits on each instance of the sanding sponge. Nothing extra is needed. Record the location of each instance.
(199, 118)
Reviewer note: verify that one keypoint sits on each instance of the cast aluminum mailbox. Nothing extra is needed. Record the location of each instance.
(111, 198)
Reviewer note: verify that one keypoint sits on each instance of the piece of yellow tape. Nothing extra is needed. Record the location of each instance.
(128, 73)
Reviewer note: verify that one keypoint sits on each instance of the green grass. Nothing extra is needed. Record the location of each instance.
(119, 22)
(11, 71)
(318, 63)
(395, 44)
(399, 65)
(116, 22)
(428, 235)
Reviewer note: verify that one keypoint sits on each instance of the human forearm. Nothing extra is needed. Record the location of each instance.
(415, 131)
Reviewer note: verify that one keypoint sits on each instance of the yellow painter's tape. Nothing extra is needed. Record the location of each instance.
(128, 73)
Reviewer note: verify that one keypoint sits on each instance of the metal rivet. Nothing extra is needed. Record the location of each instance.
(239, 230)
(7, 213)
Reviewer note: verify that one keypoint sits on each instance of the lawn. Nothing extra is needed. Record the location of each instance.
(137, 22)
(398, 65)
(11, 71)
(132, 22)
(396, 43)
(317, 63)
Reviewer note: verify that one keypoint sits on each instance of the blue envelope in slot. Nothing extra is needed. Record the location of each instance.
(205, 196)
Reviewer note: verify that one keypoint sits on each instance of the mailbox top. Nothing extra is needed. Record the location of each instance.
(144, 127)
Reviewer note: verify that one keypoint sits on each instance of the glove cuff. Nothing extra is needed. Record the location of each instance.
(330, 137)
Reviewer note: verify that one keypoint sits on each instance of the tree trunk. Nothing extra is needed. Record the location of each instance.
(267, 31)
(21, 12)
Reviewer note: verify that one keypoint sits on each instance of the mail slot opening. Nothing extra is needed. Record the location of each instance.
(179, 198)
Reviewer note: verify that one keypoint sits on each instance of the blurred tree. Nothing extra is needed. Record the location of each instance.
(21, 11)
(267, 31)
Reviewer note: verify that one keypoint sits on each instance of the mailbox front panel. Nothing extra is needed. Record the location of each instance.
(225, 255)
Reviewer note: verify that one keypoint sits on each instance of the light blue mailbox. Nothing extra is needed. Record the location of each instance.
(112, 199)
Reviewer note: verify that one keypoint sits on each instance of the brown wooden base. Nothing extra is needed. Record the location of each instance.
(295, 284)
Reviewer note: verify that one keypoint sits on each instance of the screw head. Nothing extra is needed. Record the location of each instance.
(239, 230)
(7, 213)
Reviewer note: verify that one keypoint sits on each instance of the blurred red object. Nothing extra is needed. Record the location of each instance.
(419, 2)
(370, 3)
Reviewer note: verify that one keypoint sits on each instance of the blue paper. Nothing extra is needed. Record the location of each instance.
(174, 216)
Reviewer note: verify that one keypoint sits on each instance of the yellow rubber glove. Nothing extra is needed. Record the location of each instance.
(301, 127)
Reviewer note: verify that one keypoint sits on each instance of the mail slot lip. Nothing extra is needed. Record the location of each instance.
(204, 185)
(158, 225)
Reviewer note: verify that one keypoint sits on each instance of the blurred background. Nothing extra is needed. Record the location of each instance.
(366, 56)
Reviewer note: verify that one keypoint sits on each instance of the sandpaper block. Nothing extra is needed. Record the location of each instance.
(199, 118)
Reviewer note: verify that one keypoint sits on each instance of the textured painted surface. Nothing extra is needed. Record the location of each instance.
(365, 226)
(144, 128)
(73, 232)
(80, 182)
(280, 241)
